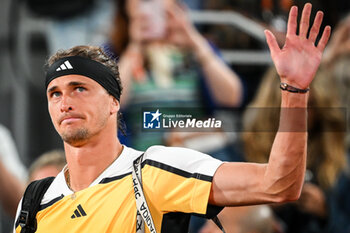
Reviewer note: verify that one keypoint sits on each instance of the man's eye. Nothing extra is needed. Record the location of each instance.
(55, 94)
(80, 89)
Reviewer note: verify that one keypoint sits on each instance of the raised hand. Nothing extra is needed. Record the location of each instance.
(299, 59)
(181, 31)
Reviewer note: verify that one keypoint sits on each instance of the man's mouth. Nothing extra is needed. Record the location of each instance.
(70, 119)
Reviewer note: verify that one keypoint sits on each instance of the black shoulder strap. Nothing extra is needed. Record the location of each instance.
(31, 203)
(218, 223)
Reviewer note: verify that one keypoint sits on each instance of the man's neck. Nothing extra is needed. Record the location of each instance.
(87, 162)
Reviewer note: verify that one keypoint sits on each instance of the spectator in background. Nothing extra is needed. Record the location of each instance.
(339, 44)
(48, 164)
(12, 179)
(244, 219)
(176, 68)
(9, 155)
(337, 61)
(11, 191)
(326, 148)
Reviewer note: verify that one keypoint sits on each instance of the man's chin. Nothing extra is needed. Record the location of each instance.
(75, 143)
(75, 138)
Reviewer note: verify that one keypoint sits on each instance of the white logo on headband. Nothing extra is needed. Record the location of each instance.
(65, 66)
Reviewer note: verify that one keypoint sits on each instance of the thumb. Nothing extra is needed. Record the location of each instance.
(272, 42)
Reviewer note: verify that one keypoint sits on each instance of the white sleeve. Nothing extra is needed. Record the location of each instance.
(188, 160)
(9, 155)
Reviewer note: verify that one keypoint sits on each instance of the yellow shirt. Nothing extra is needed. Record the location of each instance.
(176, 182)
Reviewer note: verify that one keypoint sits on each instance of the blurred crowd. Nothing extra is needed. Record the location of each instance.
(166, 60)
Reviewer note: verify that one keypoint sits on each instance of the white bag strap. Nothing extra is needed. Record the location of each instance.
(143, 212)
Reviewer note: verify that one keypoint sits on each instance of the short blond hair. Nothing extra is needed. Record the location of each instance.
(54, 158)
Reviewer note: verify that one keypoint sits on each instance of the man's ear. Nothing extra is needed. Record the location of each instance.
(115, 106)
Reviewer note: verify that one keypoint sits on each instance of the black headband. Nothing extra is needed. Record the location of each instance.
(86, 67)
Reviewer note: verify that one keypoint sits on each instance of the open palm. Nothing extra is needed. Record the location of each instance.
(299, 59)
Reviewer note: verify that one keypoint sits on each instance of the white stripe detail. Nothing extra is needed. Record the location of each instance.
(69, 66)
(63, 67)
(184, 159)
(66, 65)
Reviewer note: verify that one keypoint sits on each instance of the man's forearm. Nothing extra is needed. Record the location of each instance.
(281, 179)
(284, 174)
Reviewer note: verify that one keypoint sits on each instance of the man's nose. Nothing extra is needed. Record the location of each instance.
(66, 104)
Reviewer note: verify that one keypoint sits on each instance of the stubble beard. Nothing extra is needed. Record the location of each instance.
(77, 137)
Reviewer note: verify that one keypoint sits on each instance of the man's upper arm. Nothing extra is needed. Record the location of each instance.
(239, 184)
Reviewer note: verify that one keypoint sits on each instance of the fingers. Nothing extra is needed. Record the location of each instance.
(272, 42)
(176, 10)
(292, 21)
(304, 26)
(178, 14)
(316, 26)
(305, 19)
(324, 39)
(170, 12)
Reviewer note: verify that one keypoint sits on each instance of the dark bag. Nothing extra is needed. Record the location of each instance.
(31, 203)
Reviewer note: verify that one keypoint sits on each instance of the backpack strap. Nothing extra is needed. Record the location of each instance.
(31, 203)
(218, 223)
